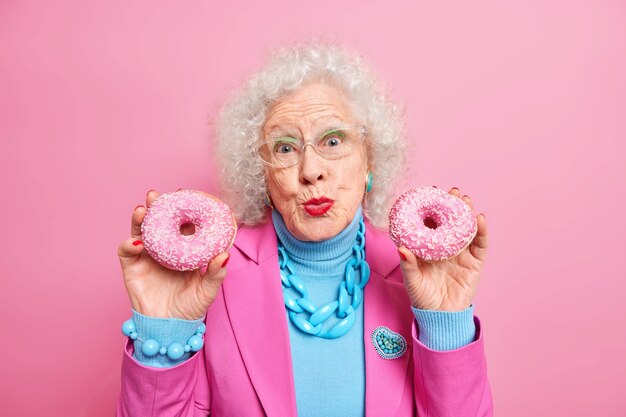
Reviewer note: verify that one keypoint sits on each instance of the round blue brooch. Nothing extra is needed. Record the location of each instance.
(388, 344)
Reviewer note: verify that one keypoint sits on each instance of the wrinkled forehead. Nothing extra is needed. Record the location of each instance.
(315, 127)
(308, 110)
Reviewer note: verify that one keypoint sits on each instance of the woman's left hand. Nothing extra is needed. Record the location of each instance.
(448, 285)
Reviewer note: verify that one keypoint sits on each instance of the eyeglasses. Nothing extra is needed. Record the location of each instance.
(284, 151)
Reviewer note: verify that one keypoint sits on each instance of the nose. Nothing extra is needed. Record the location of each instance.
(311, 166)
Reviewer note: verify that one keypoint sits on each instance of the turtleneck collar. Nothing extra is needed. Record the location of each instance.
(337, 248)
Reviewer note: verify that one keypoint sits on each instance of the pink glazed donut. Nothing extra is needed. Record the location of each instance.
(215, 229)
(431, 223)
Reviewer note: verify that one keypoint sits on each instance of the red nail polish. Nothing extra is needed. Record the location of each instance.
(402, 255)
(137, 242)
(434, 186)
(226, 261)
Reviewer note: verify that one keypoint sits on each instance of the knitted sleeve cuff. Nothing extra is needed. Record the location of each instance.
(445, 330)
(164, 331)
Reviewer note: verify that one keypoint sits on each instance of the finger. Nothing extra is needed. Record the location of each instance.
(408, 262)
(455, 192)
(406, 256)
(129, 250)
(468, 201)
(479, 245)
(150, 197)
(216, 270)
(135, 222)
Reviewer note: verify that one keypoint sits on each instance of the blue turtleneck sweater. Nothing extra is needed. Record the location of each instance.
(329, 374)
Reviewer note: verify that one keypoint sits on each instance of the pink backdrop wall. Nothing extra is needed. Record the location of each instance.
(520, 104)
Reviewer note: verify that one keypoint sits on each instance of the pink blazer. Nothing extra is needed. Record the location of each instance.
(245, 367)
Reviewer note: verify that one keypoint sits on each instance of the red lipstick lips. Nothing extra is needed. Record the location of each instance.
(318, 206)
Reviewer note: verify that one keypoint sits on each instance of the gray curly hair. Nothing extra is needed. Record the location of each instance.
(240, 120)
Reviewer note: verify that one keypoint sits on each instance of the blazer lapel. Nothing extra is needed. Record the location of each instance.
(254, 303)
(386, 304)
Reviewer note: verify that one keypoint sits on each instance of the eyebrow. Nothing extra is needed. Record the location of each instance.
(330, 125)
(283, 138)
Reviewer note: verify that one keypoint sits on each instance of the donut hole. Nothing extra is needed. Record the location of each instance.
(430, 223)
(187, 229)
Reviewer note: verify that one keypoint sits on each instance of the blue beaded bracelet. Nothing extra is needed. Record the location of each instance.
(174, 351)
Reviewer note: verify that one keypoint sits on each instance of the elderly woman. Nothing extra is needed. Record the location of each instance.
(313, 311)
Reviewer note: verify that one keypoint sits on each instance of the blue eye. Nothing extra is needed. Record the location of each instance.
(283, 148)
(285, 144)
(334, 139)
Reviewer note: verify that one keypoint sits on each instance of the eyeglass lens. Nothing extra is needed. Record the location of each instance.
(334, 143)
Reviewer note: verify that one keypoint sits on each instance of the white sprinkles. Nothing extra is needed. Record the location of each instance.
(416, 209)
(215, 229)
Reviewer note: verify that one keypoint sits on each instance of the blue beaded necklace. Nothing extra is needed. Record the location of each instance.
(345, 310)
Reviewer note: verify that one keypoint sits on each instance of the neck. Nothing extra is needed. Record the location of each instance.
(318, 258)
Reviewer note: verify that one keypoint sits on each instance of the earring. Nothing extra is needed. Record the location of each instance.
(368, 182)
(268, 200)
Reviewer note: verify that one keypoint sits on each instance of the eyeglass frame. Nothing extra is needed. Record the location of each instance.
(313, 143)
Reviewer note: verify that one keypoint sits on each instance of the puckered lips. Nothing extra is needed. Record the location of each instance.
(318, 206)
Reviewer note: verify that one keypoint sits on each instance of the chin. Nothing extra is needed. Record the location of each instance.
(319, 231)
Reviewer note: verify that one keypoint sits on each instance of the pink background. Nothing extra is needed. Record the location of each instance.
(520, 104)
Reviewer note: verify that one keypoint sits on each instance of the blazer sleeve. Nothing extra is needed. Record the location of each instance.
(451, 383)
(182, 390)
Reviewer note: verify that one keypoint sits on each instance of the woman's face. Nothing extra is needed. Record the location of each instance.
(306, 112)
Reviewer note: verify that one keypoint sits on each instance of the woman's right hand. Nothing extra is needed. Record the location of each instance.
(157, 291)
